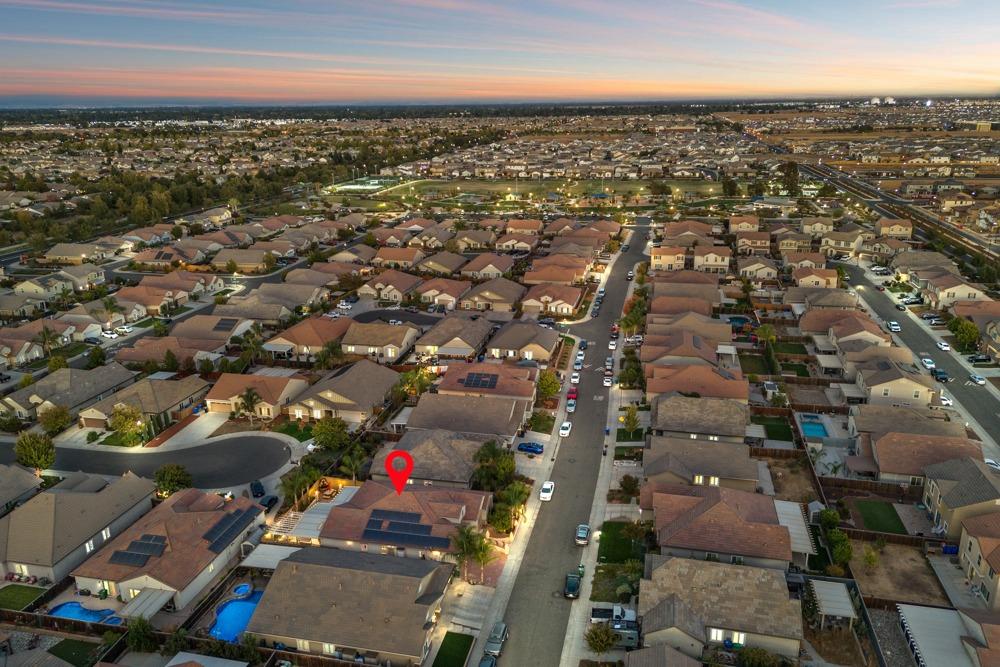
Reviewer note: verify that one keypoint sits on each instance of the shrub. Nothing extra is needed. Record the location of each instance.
(93, 436)
(829, 519)
(754, 656)
(834, 570)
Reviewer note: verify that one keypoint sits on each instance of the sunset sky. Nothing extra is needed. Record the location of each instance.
(337, 51)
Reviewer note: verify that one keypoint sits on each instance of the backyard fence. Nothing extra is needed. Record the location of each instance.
(777, 453)
(907, 492)
(50, 594)
(213, 597)
(894, 538)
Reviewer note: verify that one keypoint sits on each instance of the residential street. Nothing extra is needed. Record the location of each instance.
(979, 401)
(537, 613)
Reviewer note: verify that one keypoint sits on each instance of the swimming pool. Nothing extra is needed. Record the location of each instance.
(232, 617)
(813, 429)
(78, 612)
(242, 589)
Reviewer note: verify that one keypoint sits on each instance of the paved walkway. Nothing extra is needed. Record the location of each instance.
(955, 585)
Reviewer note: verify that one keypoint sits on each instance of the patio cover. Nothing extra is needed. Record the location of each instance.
(829, 361)
(791, 517)
(823, 342)
(267, 556)
(278, 347)
(147, 603)
(937, 634)
(833, 599)
(850, 390)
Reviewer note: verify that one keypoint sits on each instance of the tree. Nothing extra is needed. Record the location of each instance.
(634, 531)
(631, 419)
(766, 334)
(331, 434)
(248, 401)
(629, 485)
(96, 357)
(871, 558)
(352, 462)
(160, 328)
(369, 240)
(755, 656)
(232, 267)
(269, 261)
(548, 385)
(600, 638)
(483, 554)
(515, 495)
(415, 382)
(55, 420)
(140, 637)
(790, 177)
(170, 362)
(127, 420)
(56, 362)
(329, 356)
(35, 450)
(26, 381)
(47, 338)
(966, 333)
(730, 188)
(495, 467)
(841, 275)
(205, 366)
(171, 478)
(464, 540)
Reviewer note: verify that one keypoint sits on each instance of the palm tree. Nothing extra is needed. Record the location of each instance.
(465, 542)
(483, 554)
(253, 345)
(65, 294)
(352, 462)
(249, 400)
(110, 306)
(47, 338)
(329, 356)
(516, 495)
(766, 334)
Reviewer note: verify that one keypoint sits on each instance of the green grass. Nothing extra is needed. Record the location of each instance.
(614, 547)
(880, 515)
(753, 364)
(292, 429)
(542, 422)
(776, 428)
(607, 578)
(799, 369)
(115, 439)
(144, 324)
(790, 348)
(629, 436)
(75, 652)
(18, 596)
(72, 349)
(899, 288)
(181, 311)
(454, 650)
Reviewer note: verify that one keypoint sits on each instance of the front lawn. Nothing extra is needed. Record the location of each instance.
(71, 350)
(75, 652)
(610, 580)
(880, 515)
(292, 428)
(776, 428)
(115, 439)
(629, 436)
(454, 650)
(614, 547)
(541, 422)
(899, 288)
(144, 324)
(753, 364)
(790, 348)
(18, 596)
(799, 369)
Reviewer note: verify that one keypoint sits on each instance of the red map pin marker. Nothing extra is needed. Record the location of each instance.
(396, 474)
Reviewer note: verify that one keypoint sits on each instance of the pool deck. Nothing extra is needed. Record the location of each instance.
(86, 601)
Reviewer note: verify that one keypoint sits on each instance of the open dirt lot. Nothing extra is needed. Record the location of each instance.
(791, 480)
(903, 574)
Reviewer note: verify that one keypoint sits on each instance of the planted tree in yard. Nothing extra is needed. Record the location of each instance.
(127, 420)
(231, 266)
(502, 517)
(416, 381)
(629, 485)
(56, 362)
(172, 477)
(494, 467)
(516, 495)
(766, 334)
(47, 338)
(600, 638)
(96, 357)
(352, 462)
(205, 366)
(35, 450)
(547, 386)
(329, 356)
(464, 540)
(140, 637)
(55, 420)
(635, 531)
(755, 656)
(331, 434)
(483, 553)
(160, 329)
(966, 333)
(871, 558)
(170, 362)
(26, 381)
(631, 420)
(249, 400)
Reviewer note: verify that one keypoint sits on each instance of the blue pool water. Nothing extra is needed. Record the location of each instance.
(232, 617)
(242, 589)
(78, 612)
(738, 321)
(814, 429)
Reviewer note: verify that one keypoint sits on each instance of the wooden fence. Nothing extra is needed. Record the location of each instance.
(777, 453)
(907, 492)
(921, 541)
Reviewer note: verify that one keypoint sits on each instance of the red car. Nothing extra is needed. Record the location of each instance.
(571, 393)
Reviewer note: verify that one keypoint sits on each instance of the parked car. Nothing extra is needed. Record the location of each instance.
(92, 340)
(571, 589)
(269, 502)
(946, 400)
(548, 488)
(927, 363)
(580, 355)
(977, 379)
(993, 464)
(256, 489)
(498, 635)
(577, 365)
(123, 330)
(395, 323)
(531, 448)
(901, 307)
(4, 378)
(600, 291)
(608, 381)
(582, 537)
(571, 406)
(574, 378)
(894, 327)
(978, 358)
(941, 375)
(109, 334)
(564, 429)
(612, 344)
(487, 661)
(941, 345)
(583, 345)
(572, 393)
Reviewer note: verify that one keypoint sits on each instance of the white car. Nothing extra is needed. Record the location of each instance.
(581, 355)
(548, 488)
(395, 323)
(109, 334)
(612, 344)
(333, 315)
(977, 379)
(946, 400)
(894, 327)
(943, 345)
(343, 305)
(571, 405)
(608, 381)
(122, 331)
(574, 378)
(394, 306)
(565, 429)
(927, 363)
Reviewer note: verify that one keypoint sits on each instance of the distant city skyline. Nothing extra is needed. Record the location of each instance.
(93, 52)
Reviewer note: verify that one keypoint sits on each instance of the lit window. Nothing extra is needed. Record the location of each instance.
(211, 567)
(739, 637)
(329, 649)
(89, 546)
(714, 438)
(302, 644)
(715, 635)
(885, 392)
(699, 479)
(694, 436)
(106, 534)
(713, 481)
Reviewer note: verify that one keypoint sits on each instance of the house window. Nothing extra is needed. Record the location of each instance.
(699, 479)
(317, 413)
(694, 436)
(739, 637)
(211, 568)
(736, 560)
(715, 635)
(713, 438)
(713, 481)
(329, 649)
(302, 644)
(89, 546)
(885, 392)
(106, 534)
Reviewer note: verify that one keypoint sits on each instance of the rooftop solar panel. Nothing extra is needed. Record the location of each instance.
(374, 524)
(225, 324)
(390, 515)
(147, 548)
(411, 528)
(406, 539)
(242, 519)
(155, 539)
(220, 526)
(128, 558)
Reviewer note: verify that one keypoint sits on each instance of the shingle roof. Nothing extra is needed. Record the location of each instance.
(361, 386)
(686, 458)
(965, 481)
(472, 332)
(709, 416)
(479, 415)
(438, 455)
(909, 453)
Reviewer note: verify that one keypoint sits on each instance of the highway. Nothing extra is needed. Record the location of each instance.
(979, 401)
(537, 613)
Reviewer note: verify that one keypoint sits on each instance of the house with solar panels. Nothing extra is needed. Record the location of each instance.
(171, 555)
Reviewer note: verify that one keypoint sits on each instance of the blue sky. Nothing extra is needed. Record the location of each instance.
(315, 51)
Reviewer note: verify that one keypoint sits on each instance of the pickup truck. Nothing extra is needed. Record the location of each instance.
(615, 613)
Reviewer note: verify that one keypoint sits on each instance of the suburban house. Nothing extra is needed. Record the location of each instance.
(247, 260)
(359, 254)
(667, 258)
(195, 284)
(443, 291)
(552, 274)
(523, 340)
(304, 340)
(793, 243)
(490, 379)
(475, 239)
(680, 606)
(902, 457)
(804, 260)
(172, 554)
(46, 289)
(900, 229)
(979, 556)
(83, 276)
(163, 259)
(72, 388)
(711, 419)
(323, 279)
(487, 266)
(160, 401)
(397, 258)
(944, 290)
(20, 306)
(74, 253)
(712, 259)
(840, 243)
(685, 461)
(455, 337)
(185, 350)
(60, 527)
(156, 300)
(815, 277)
(212, 327)
(443, 263)
(355, 394)
(958, 489)
(488, 416)
(756, 269)
(362, 523)
(390, 285)
(17, 484)
(393, 238)
(696, 380)
(702, 325)
(677, 349)
(386, 343)
(816, 227)
(518, 226)
(320, 601)
(275, 393)
(753, 243)
(890, 383)
(743, 223)
(495, 294)
(516, 243)
(440, 458)
(552, 299)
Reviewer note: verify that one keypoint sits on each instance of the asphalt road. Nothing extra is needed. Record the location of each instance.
(537, 613)
(227, 463)
(978, 401)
